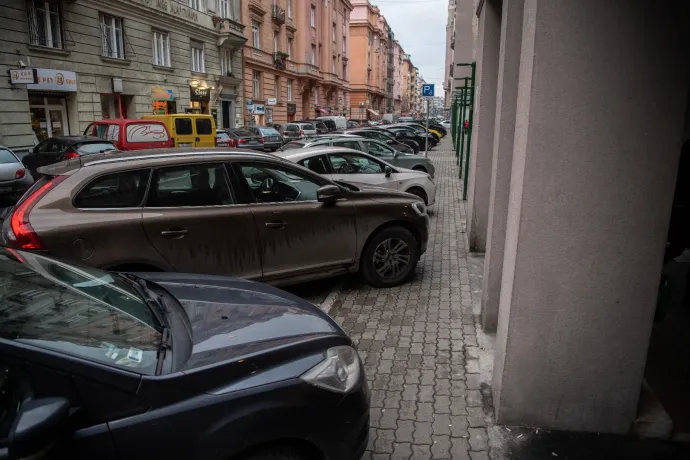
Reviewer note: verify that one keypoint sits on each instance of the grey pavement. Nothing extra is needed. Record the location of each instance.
(419, 343)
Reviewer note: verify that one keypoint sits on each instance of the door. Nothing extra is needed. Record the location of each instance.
(299, 235)
(196, 224)
(354, 167)
(183, 131)
(225, 113)
(205, 134)
(318, 165)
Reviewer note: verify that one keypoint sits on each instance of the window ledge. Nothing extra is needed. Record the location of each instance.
(116, 60)
(203, 75)
(47, 49)
(163, 68)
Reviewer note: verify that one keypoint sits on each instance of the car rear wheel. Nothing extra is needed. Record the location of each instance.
(390, 257)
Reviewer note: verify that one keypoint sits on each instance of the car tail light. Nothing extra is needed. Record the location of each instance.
(19, 174)
(21, 234)
(242, 141)
(71, 155)
(231, 143)
(301, 133)
(261, 139)
(285, 133)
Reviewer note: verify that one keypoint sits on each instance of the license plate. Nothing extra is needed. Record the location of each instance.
(185, 144)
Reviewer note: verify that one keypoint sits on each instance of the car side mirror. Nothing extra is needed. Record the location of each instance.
(388, 170)
(395, 154)
(37, 426)
(390, 142)
(328, 193)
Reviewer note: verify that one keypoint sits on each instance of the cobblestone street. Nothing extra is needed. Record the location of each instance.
(419, 343)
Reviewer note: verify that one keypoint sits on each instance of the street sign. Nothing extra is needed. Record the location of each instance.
(428, 90)
(271, 101)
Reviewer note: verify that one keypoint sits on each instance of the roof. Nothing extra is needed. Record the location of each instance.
(122, 121)
(300, 154)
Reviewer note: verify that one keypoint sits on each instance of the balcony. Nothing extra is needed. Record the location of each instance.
(452, 42)
(230, 33)
(278, 15)
(279, 58)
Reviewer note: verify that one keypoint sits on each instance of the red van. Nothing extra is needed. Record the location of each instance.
(128, 134)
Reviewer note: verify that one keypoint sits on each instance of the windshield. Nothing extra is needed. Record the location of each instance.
(308, 127)
(241, 133)
(94, 147)
(7, 157)
(269, 132)
(77, 311)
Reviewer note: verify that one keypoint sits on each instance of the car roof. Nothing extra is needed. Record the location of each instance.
(152, 158)
(78, 139)
(122, 121)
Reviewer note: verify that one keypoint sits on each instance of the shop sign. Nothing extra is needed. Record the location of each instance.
(271, 101)
(292, 108)
(22, 76)
(200, 94)
(54, 80)
(174, 8)
(158, 93)
(259, 109)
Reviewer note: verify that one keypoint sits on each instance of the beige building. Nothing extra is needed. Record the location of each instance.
(80, 61)
(295, 59)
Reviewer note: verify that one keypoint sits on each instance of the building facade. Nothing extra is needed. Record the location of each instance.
(80, 61)
(449, 60)
(295, 60)
(397, 77)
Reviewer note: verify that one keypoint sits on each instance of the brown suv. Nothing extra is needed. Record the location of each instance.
(218, 211)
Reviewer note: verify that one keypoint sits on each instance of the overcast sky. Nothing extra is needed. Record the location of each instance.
(420, 27)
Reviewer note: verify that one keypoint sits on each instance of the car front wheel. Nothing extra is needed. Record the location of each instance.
(390, 257)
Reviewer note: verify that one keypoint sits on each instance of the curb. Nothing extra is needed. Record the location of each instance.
(327, 304)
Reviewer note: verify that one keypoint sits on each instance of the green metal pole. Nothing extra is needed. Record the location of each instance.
(453, 116)
(469, 134)
(463, 114)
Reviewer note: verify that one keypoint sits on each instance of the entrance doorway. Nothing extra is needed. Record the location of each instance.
(48, 116)
(227, 113)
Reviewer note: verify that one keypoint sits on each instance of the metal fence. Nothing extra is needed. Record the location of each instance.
(462, 113)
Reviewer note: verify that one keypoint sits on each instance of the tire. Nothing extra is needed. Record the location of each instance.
(418, 192)
(420, 168)
(275, 453)
(380, 246)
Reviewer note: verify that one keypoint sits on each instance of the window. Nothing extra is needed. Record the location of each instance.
(316, 96)
(225, 9)
(256, 83)
(333, 33)
(189, 185)
(45, 28)
(276, 86)
(161, 48)
(119, 190)
(377, 149)
(112, 37)
(344, 71)
(289, 48)
(313, 17)
(289, 89)
(183, 126)
(315, 164)
(333, 66)
(344, 44)
(278, 184)
(348, 144)
(313, 54)
(289, 9)
(256, 35)
(204, 126)
(196, 4)
(198, 64)
(369, 37)
(353, 163)
(275, 42)
(225, 62)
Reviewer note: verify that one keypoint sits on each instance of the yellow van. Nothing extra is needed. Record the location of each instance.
(188, 129)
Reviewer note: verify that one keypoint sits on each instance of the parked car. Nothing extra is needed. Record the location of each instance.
(407, 132)
(342, 164)
(334, 123)
(101, 365)
(376, 148)
(243, 138)
(422, 128)
(299, 130)
(128, 134)
(60, 148)
(352, 124)
(381, 135)
(272, 138)
(223, 139)
(188, 129)
(217, 211)
(14, 177)
(320, 127)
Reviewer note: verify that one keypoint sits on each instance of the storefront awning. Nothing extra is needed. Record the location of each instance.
(322, 110)
(373, 112)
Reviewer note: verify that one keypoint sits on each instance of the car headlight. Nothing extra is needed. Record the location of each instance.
(419, 207)
(339, 372)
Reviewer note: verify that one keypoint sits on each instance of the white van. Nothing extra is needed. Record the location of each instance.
(336, 123)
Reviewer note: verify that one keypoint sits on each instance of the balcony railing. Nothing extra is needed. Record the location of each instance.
(278, 15)
(279, 59)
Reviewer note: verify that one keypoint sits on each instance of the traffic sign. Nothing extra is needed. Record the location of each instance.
(428, 90)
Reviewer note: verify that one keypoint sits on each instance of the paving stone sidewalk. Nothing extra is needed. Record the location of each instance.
(419, 343)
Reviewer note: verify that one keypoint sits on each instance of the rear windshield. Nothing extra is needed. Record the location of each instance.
(183, 126)
(7, 157)
(307, 126)
(146, 132)
(203, 126)
(330, 124)
(222, 135)
(269, 132)
(241, 133)
(94, 147)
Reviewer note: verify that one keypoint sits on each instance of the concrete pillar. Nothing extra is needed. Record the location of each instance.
(479, 184)
(599, 126)
(504, 131)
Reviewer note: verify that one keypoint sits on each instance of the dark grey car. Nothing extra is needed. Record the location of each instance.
(273, 140)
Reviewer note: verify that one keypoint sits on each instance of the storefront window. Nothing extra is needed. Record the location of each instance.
(48, 116)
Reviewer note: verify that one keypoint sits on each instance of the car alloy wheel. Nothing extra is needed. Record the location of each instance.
(391, 257)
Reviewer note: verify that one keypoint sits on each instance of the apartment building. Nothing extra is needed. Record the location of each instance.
(397, 77)
(295, 59)
(449, 60)
(73, 62)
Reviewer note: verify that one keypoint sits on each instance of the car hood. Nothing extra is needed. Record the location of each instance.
(231, 317)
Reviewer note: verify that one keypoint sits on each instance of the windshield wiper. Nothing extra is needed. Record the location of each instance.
(152, 299)
(166, 344)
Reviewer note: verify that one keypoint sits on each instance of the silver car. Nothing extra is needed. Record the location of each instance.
(14, 177)
(299, 130)
(378, 149)
(354, 166)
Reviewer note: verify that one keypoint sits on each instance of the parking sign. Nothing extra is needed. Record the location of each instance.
(428, 90)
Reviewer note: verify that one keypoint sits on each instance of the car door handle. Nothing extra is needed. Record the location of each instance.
(174, 233)
(276, 224)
